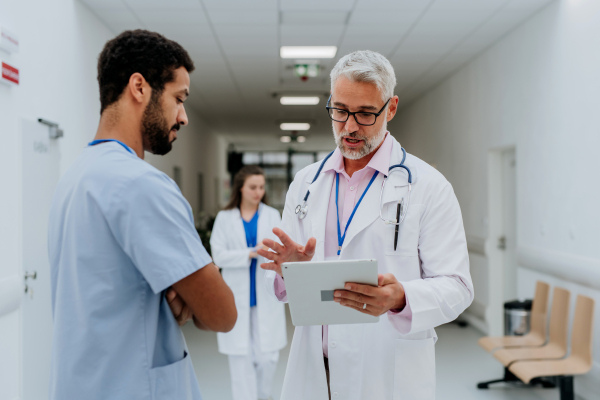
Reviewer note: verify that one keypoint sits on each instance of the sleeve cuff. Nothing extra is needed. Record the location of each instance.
(401, 320)
(280, 291)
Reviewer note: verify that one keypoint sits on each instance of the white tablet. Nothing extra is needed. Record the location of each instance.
(310, 287)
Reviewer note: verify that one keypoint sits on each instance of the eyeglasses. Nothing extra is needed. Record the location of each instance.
(361, 117)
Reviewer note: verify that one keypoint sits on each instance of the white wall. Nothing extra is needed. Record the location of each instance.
(537, 89)
(196, 150)
(59, 45)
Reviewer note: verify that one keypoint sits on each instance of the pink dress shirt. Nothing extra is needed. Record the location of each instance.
(350, 190)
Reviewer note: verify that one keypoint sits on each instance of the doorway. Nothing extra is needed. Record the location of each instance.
(40, 173)
(502, 238)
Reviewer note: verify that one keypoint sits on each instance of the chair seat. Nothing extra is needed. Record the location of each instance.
(527, 370)
(508, 356)
(490, 343)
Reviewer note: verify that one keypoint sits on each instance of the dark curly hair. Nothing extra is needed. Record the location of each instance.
(149, 53)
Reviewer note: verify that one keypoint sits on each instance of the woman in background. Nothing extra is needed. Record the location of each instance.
(260, 331)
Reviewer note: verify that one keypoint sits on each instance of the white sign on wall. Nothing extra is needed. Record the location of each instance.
(9, 41)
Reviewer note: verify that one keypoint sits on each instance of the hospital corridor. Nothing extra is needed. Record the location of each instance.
(300, 199)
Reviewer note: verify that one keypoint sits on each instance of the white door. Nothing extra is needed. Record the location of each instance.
(509, 239)
(40, 174)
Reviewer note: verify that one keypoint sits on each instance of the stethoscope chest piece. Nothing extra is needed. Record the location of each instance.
(302, 210)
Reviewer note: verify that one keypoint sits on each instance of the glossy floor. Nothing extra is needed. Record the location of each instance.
(460, 365)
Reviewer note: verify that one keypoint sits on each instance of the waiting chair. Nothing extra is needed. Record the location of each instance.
(578, 363)
(537, 334)
(557, 343)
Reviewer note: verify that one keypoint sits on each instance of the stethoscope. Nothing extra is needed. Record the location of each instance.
(302, 210)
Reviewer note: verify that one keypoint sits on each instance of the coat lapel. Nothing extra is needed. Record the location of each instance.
(368, 211)
(318, 203)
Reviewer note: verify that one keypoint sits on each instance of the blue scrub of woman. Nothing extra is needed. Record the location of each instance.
(260, 331)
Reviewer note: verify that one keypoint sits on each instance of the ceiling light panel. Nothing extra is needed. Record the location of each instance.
(299, 101)
(313, 18)
(294, 126)
(308, 51)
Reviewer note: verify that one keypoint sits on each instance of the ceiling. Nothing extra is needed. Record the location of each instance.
(235, 47)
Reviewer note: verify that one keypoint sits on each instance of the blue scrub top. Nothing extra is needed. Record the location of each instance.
(251, 228)
(120, 233)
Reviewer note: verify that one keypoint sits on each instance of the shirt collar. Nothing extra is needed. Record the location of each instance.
(380, 161)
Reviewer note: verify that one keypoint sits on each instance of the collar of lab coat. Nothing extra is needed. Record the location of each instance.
(368, 211)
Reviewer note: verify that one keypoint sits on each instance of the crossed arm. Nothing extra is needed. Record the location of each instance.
(388, 295)
(204, 298)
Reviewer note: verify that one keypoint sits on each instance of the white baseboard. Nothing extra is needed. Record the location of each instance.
(476, 322)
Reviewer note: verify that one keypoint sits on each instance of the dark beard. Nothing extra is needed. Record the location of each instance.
(155, 128)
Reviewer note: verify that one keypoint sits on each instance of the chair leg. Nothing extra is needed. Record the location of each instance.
(566, 388)
(508, 377)
(546, 383)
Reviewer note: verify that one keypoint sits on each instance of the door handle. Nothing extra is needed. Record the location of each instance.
(502, 242)
(31, 276)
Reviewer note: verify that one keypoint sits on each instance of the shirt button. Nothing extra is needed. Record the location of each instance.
(335, 394)
(333, 344)
(351, 187)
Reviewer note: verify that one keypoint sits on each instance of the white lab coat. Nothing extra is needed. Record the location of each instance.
(230, 252)
(383, 360)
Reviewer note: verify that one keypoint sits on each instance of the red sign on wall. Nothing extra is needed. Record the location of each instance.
(10, 73)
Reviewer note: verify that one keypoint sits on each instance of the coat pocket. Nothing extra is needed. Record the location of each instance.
(408, 231)
(414, 372)
(175, 381)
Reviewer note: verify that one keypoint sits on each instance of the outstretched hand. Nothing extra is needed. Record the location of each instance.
(288, 251)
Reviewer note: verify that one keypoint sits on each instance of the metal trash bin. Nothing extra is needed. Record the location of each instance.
(517, 317)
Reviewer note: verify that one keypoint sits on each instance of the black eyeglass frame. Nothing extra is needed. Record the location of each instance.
(377, 114)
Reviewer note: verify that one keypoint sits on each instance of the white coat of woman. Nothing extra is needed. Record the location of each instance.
(260, 331)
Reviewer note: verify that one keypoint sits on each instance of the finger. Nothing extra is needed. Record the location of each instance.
(310, 247)
(359, 307)
(277, 248)
(285, 239)
(387, 279)
(269, 243)
(171, 294)
(176, 306)
(352, 296)
(269, 255)
(367, 290)
(270, 266)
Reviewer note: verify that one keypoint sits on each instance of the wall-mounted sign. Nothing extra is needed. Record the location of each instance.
(10, 74)
(9, 41)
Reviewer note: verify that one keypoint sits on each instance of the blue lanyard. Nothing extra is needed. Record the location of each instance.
(95, 142)
(337, 189)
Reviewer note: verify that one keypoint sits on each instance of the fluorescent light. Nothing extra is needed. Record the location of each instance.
(299, 101)
(307, 51)
(301, 139)
(293, 126)
(285, 139)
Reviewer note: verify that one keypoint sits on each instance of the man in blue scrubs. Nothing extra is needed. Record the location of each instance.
(122, 242)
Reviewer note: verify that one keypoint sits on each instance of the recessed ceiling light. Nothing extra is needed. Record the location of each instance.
(299, 101)
(301, 139)
(285, 139)
(294, 126)
(307, 51)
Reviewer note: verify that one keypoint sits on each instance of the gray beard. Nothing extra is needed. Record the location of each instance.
(370, 144)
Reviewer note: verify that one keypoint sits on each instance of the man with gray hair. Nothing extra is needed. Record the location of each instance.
(414, 231)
